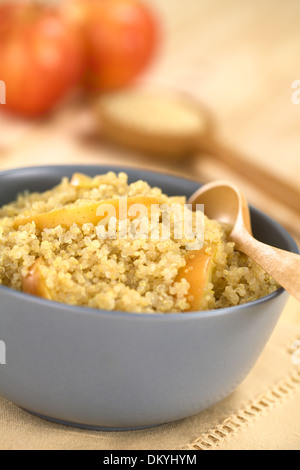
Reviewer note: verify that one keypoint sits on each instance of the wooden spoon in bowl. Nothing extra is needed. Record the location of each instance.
(223, 201)
(173, 125)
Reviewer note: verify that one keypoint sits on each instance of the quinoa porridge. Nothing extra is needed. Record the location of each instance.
(52, 245)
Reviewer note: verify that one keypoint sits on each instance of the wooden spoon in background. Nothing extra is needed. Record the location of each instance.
(173, 125)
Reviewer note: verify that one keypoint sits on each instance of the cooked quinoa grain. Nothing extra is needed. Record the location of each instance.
(134, 274)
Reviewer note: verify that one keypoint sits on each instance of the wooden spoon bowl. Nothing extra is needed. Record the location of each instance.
(175, 126)
(223, 201)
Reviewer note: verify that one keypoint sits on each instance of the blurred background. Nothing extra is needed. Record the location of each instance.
(239, 60)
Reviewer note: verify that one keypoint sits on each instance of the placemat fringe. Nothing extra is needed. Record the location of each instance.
(281, 391)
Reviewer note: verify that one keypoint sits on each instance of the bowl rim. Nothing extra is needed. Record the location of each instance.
(82, 310)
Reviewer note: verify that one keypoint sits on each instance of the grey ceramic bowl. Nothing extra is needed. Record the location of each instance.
(116, 370)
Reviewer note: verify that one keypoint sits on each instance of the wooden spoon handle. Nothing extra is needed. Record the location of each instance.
(282, 265)
(277, 187)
